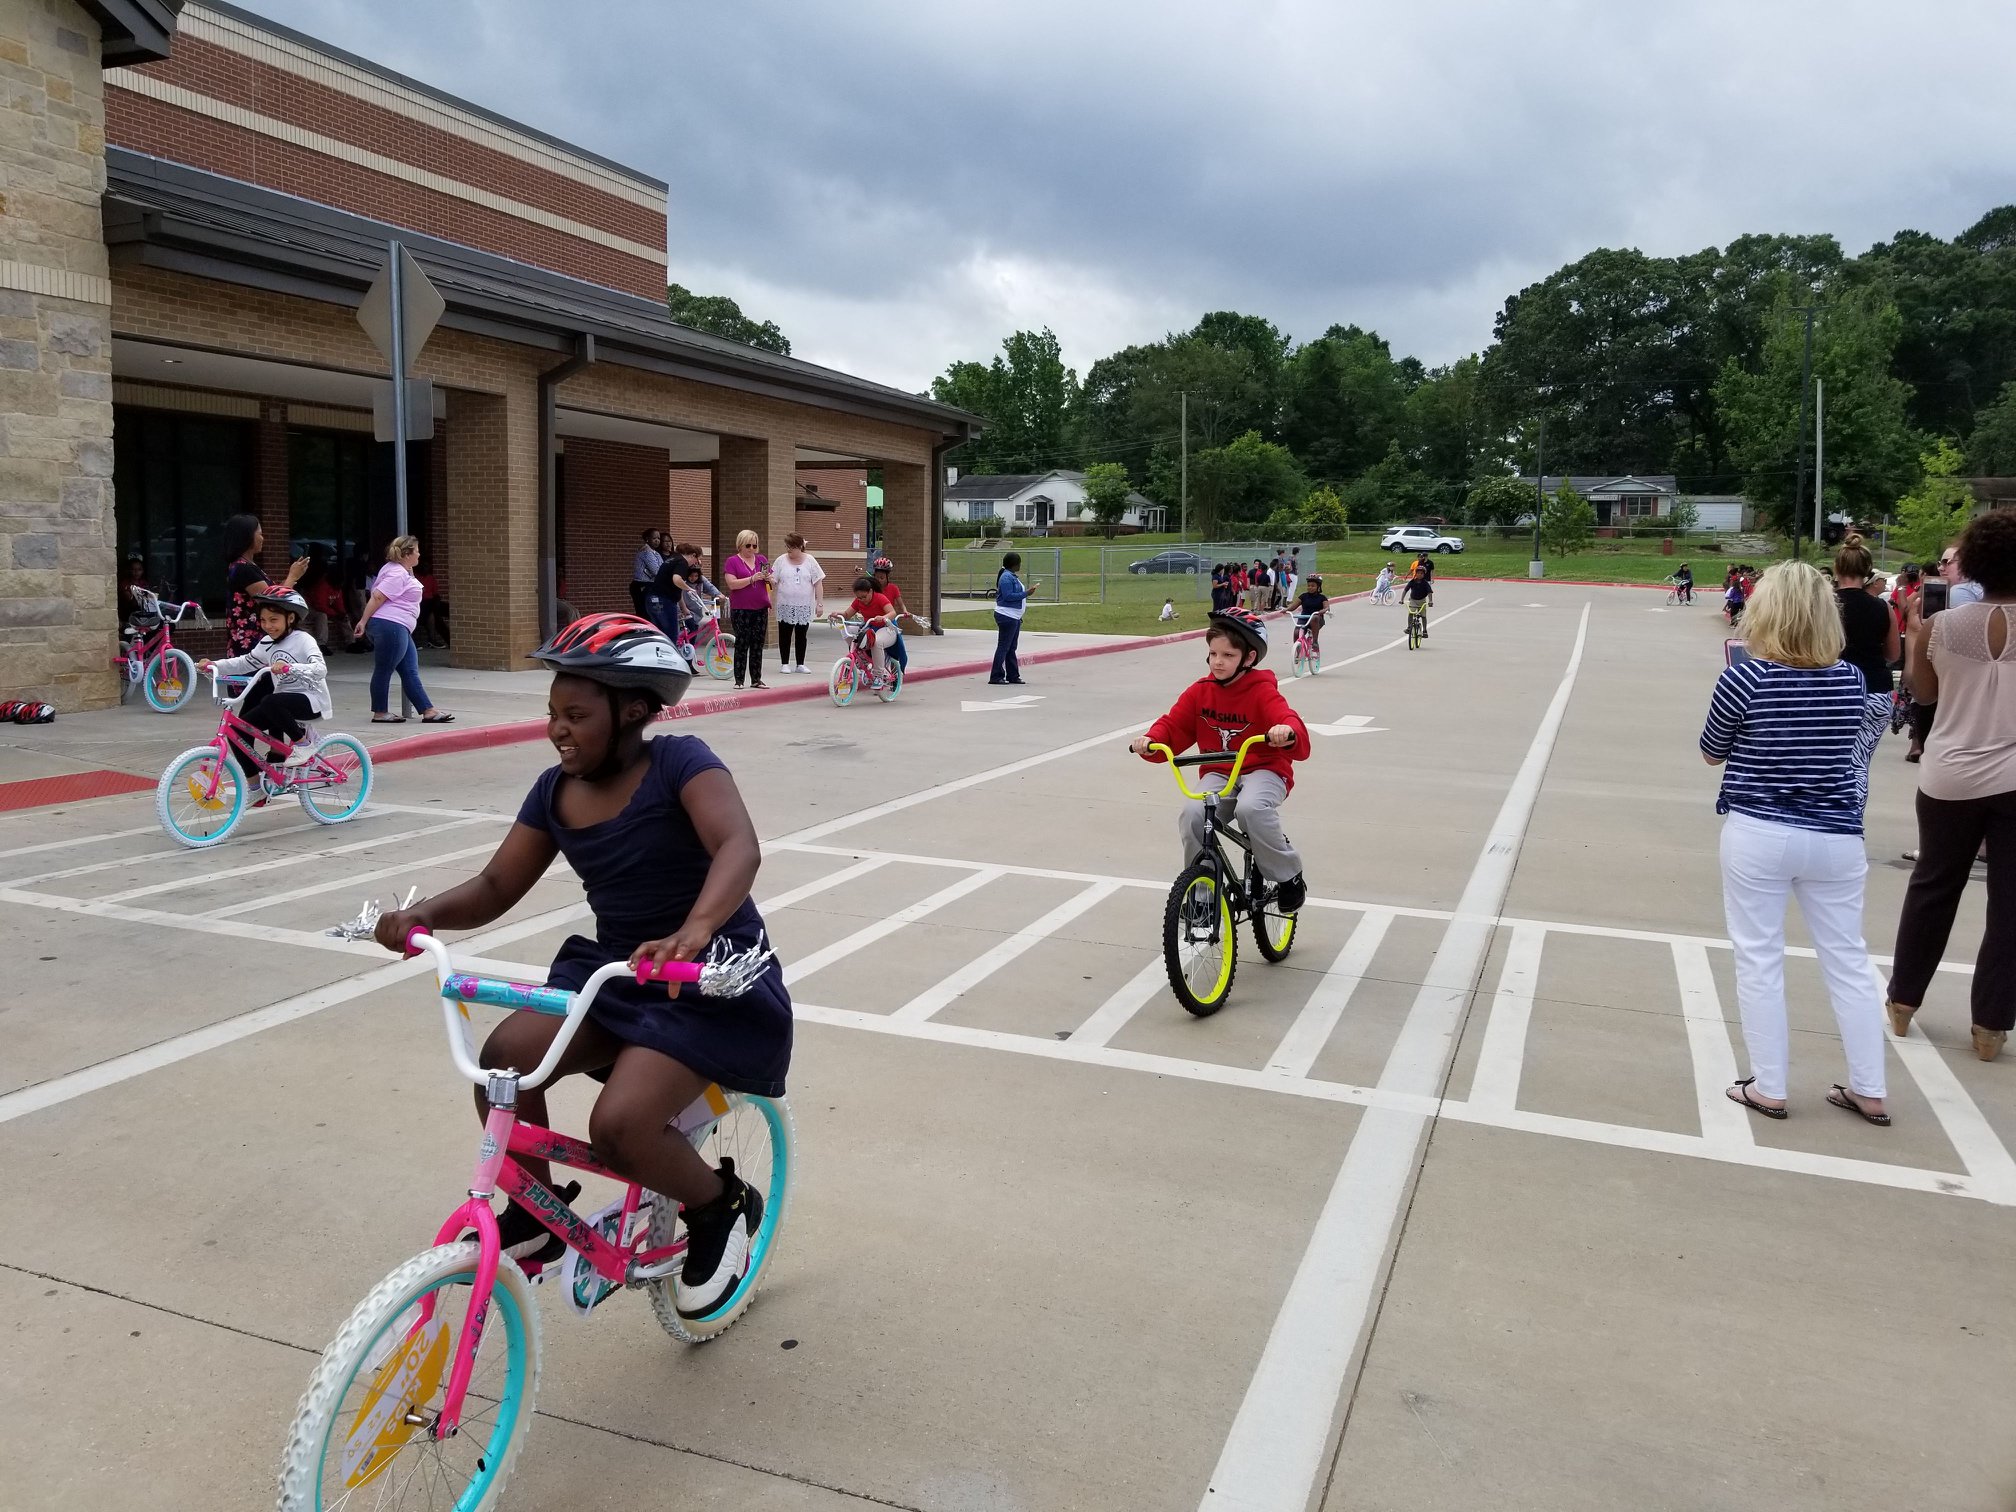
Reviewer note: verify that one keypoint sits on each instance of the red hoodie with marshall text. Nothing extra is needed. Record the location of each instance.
(1218, 717)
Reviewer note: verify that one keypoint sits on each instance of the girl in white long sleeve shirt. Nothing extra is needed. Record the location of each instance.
(290, 679)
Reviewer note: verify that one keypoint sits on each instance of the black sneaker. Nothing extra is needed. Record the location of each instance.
(717, 1245)
(527, 1240)
(1291, 895)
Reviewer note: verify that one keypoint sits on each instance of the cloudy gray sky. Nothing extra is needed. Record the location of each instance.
(899, 184)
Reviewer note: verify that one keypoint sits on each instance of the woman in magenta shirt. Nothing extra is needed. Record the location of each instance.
(390, 615)
(746, 575)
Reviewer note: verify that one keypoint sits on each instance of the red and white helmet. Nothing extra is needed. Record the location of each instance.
(621, 651)
(1248, 626)
(882, 564)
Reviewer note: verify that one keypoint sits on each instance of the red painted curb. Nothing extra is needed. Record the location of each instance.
(1553, 582)
(39, 792)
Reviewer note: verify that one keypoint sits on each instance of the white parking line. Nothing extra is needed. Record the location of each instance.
(279, 863)
(1722, 1122)
(976, 971)
(881, 929)
(1273, 1456)
(376, 874)
(1987, 1159)
(1501, 1056)
(1314, 1025)
(1111, 1016)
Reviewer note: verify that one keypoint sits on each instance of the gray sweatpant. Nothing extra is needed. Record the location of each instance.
(1258, 809)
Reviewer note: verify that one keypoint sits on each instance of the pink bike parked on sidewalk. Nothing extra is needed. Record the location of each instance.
(205, 792)
(425, 1396)
(147, 657)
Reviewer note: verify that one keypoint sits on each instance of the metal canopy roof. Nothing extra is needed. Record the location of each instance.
(167, 215)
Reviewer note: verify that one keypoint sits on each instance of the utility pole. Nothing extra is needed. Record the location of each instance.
(1183, 488)
(1536, 568)
(1819, 455)
(401, 522)
(1805, 393)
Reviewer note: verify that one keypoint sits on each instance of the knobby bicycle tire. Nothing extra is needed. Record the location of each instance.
(1222, 961)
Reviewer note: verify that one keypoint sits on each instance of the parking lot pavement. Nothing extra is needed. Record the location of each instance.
(1447, 1210)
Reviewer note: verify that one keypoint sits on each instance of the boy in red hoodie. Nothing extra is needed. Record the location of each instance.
(1233, 701)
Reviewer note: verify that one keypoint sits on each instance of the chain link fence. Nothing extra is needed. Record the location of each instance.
(1099, 572)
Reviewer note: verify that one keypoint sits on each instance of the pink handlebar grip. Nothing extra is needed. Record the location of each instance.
(667, 971)
(411, 948)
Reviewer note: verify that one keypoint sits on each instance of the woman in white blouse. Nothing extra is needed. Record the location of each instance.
(796, 578)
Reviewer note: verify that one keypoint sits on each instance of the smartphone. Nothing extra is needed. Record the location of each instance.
(1934, 591)
(1734, 651)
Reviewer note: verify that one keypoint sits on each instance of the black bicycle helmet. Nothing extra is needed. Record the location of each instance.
(619, 651)
(1248, 626)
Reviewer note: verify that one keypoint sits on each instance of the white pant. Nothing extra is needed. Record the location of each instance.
(1761, 863)
(1258, 807)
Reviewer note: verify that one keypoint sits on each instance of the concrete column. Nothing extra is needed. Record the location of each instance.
(492, 524)
(909, 534)
(58, 609)
(756, 487)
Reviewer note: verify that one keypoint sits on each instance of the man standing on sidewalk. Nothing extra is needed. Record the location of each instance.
(644, 568)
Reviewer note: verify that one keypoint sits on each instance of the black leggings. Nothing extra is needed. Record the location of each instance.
(787, 633)
(280, 715)
(1950, 835)
(751, 628)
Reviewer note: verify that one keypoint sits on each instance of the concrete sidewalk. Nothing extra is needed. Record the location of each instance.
(134, 738)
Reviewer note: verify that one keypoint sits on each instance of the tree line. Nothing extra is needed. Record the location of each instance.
(1685, 365)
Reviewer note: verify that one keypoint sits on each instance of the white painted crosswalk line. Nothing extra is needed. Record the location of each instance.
(304, 857)
(1987, 1159)
(976, 971)
(1314, 1025)
(1111, 1016)
(1722, 1121)
(881, 929)
(1502, 1054)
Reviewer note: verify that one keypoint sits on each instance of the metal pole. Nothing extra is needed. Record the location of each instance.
(1536, 568)
(1184, 468)
(1819, 455)
(399, 515)
(1805, 392)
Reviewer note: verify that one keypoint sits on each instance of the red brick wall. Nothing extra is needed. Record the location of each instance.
(831, 536)
(692, 497)
(613, 492)
(151, 126)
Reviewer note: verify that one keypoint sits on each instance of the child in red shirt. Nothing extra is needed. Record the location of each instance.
(1231, 702)
(877, 616)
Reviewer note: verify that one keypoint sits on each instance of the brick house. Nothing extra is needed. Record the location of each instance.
(193, 201)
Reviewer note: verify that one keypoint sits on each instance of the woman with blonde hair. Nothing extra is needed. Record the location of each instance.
(390, 614)
(747, 577)
(1793, 726)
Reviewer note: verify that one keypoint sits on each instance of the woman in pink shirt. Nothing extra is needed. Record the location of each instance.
(390, 615)
(746, 576)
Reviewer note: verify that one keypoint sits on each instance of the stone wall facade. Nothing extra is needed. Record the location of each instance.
(58, 614)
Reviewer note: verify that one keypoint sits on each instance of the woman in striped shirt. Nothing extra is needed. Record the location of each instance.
(1793, 727)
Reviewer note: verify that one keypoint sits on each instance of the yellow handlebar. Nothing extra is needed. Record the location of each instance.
(1231, 778)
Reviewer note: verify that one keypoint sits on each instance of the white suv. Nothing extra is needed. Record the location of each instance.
(1419, 538)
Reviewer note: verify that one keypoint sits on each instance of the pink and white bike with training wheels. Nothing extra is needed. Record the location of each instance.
(205, 791)
(424, 1398)
(855, 669)
(148, 658)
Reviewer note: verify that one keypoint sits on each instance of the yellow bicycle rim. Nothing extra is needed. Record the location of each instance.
(1214, 960)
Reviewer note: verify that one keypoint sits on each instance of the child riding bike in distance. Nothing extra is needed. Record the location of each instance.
(1312, 606)
(1419, 589)
(657, 832)
(282, 703)
(1232, 701)
(1382, 589)
(878, 619)
(900, 611)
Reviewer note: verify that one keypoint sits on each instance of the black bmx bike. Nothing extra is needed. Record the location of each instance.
(1214, 894)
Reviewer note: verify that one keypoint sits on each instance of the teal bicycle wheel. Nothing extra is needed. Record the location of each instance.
(757, 1134)
(200, 798)
(363, 1434)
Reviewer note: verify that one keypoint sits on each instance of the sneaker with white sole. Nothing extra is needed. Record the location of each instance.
(527, 1240)
(301, 755)
(718, 1236)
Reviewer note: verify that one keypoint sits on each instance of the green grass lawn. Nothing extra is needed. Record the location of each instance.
(1133, 603)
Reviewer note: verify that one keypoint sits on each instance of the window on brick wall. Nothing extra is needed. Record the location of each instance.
(176, 479)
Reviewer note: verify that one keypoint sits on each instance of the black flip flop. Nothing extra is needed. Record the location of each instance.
(389, 719)
(1841, 1097)
(437, 719)
(1742, 1091)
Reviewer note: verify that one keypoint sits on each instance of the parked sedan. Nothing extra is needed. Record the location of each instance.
(1172, 561)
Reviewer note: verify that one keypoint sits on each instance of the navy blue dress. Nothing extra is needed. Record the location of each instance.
(643, 871)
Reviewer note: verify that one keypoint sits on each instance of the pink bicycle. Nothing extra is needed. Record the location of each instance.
(147, 657)
(1308, 658)
(204, 792)
(856, 667)
(425, 1396)
(708, 645)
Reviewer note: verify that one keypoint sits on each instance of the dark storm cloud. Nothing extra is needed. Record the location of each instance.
(900, 184)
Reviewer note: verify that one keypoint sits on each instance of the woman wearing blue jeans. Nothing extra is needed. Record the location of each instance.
(1009, 598)
(390, 615)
